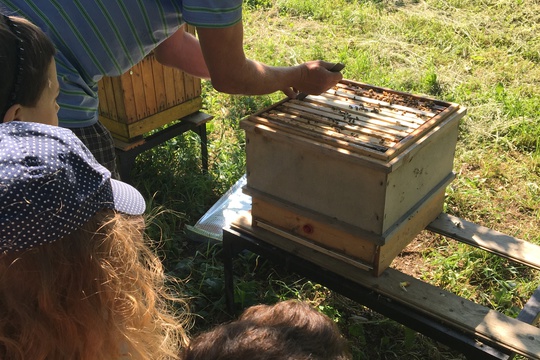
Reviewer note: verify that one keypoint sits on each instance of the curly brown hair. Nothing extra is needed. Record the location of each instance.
(99, 293)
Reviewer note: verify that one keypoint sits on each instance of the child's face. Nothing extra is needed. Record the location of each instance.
(46, 109)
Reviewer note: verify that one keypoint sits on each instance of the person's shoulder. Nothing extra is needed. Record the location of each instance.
(217, 14)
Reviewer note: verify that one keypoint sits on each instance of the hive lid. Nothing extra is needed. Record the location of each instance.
(369, 120)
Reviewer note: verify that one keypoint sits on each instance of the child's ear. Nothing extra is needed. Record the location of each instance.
(12, 113)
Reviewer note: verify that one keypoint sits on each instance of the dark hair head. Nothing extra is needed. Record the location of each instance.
(289, 330)
(25, 56)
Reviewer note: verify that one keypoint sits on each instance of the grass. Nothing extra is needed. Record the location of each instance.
(482, 54)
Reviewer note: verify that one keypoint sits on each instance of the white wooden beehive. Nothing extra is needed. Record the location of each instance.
(359, 170)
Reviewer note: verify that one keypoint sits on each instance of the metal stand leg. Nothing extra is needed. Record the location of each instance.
(127, 153)
(126, 160)
(228, 254)
(201, 131)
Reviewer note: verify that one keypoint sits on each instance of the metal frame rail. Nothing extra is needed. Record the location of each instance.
(196, 122)
(236, 239)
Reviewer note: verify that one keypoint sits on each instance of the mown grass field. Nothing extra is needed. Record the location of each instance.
(484, 55)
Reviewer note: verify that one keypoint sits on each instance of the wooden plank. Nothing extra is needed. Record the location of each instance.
(346, 239)
(465, 315)
(517, 250)
(147, 93)
(385, 116)
(126, 96)
(198, 118)
(179, 86)
(192, 85)
(316, 229)
(170, 89)
(531, 311)
(314, 246)
(345, 133)
(260, 124)
(129, 132)
(430, 123)
(363, 86)
(345, 123)
(117, 103)
(138, 93)
(395, 127)
(118, 129)
(147, 77)
(167, 116)
(409, 227)
(369, 149)
(105, 94)
(159, 86)
(189, 86)
(198, 88)
(126, 146)
(350, 93)
(425, 165)
(434, 123)
(194, 120)
(190, 29)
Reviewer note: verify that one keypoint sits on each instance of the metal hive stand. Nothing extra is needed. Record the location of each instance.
(127, 152)
(478, 332)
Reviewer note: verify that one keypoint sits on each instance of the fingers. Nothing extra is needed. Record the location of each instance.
(290, 93)
(337, 67)
(325, 64)
(317, 77)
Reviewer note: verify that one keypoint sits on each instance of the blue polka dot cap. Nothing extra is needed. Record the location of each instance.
(50, 185)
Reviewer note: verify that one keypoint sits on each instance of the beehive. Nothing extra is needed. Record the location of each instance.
(359, 170)
(146, 97)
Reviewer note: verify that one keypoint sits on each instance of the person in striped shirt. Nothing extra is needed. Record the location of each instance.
(96, 38)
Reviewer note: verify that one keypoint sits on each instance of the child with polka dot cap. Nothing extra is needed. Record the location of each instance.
(77, 277)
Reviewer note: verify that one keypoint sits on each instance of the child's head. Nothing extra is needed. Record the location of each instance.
(29, 85)
(50, 185)
(77, 280)
(288, 330)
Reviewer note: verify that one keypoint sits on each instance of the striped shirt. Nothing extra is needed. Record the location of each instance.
(96, 38)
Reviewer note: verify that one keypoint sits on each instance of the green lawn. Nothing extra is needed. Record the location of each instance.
(484, 55)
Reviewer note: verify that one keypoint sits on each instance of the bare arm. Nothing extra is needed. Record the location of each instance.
(231, 72)
(183, 51)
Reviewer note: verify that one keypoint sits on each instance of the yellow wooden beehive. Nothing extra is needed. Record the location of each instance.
(146, 97)
(359, 170)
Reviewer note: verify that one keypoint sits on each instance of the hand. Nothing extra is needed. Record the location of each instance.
(315, 78)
